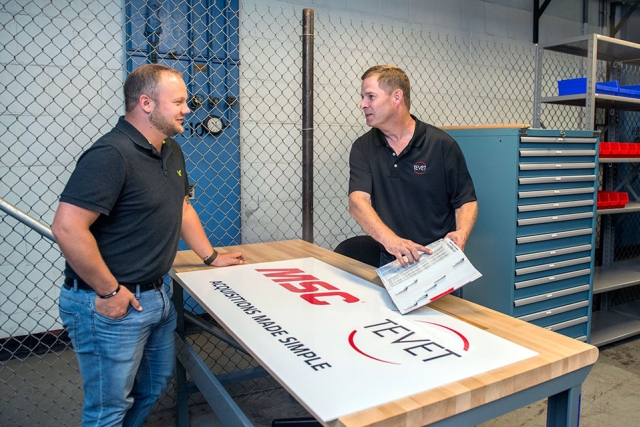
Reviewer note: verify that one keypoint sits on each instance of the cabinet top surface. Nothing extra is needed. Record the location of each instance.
(608, 48)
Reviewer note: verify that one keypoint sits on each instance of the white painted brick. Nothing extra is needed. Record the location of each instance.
(449, 13)
(423, 11)
(553, 28)
(520, 25)
(397, 9)
(474, 16)
(364, 6)
(497, 20)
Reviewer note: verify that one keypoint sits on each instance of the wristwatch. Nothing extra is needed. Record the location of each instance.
(211, 258)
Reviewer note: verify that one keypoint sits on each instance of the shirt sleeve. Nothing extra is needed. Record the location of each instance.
(97, 180)
(360, 178)
(459, 182)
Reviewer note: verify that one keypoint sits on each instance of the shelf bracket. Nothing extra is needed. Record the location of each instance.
(538, 10)
(632, 8)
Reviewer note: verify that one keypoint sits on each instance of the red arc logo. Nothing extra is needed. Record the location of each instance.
(352, 343)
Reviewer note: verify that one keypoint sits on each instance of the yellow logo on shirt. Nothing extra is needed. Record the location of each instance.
(179, 172)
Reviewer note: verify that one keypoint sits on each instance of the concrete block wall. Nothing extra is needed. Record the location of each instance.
(510, 20)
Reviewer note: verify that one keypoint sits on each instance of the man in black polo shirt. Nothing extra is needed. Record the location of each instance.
(119, 222)
(409, 184)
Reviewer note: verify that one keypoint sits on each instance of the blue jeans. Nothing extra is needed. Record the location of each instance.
(126, 364)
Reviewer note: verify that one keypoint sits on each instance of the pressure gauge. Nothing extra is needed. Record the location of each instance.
(213, 125)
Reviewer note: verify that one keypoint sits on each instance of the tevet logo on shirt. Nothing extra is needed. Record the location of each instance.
(420, 168)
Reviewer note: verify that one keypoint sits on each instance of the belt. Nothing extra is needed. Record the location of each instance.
(68, 283)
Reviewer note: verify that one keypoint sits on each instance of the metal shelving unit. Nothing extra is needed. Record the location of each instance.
(617, 322)
(609, 323)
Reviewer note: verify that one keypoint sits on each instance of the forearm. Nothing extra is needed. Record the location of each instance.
(82, 254)
(362, 211)
(465, 220)
(193, 233)
(466, 216)
(195, 236)
(80, 249)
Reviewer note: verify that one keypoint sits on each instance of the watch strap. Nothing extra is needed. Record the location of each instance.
(209, 260)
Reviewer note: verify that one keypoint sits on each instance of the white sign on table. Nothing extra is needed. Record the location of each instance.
(337, 341)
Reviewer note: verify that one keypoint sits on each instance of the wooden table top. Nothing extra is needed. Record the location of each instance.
(558, 355)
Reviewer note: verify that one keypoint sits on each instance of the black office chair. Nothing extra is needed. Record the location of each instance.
(362, 248)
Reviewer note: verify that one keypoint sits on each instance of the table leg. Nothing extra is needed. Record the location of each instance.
(563, 409)
(181, 391)
(187, 360)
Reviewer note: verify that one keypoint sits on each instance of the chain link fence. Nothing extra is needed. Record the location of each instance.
(62, 69)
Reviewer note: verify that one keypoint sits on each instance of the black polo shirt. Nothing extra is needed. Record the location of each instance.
(416, 193)
(139, 194)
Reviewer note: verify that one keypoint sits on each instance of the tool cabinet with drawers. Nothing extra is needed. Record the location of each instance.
(533, 241)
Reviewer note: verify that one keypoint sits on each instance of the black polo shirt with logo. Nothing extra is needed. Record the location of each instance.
(416, 193)
(139, 194)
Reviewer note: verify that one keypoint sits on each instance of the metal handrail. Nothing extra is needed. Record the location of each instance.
(26, 220)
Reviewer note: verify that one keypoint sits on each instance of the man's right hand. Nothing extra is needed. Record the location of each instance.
(116, 307)
(401, 248)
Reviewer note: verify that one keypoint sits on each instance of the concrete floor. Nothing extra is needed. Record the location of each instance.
(610, 395)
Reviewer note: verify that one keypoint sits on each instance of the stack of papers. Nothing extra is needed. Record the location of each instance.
(432, 277)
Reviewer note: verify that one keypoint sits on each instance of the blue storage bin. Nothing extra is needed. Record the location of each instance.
(632, 91)
(579, 86)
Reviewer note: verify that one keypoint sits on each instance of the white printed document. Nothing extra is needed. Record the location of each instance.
(432, 277)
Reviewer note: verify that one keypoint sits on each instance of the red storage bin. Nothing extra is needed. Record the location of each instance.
(605, 149)
(615, 149)
(614, 199)
(603, 200)
(623, 200)
(624, 149)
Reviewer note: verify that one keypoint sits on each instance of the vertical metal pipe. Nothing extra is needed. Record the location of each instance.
(307, 125)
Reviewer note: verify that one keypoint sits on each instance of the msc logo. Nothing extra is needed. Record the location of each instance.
(420, 168)
(310, 287)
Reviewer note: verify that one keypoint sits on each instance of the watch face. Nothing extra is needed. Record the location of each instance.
(213, 125)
